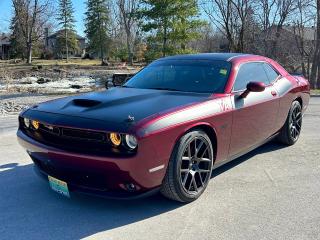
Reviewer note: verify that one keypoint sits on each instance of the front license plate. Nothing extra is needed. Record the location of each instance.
(59, 186)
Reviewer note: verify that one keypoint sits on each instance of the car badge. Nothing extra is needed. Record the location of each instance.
(130, 118)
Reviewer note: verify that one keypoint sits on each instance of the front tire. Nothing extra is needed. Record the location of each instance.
(189, 169)
(290, 132)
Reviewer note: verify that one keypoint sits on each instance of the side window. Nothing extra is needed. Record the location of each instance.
(250, 72)
(271, 73)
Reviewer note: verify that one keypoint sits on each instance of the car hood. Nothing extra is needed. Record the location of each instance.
(118, 104)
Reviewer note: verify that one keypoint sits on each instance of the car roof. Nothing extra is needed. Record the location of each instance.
(207, 56)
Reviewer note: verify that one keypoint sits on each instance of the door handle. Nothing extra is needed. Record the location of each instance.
(274, 93)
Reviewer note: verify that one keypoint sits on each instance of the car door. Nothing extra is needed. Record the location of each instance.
(254, 116)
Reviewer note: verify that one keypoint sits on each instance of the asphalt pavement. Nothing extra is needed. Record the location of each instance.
(270, 193)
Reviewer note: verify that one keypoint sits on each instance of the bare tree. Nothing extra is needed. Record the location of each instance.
(315, 71)
(210, 40)
(32, 15)
(304, 15)
(128, 9)
(230, 17)
(273, 15)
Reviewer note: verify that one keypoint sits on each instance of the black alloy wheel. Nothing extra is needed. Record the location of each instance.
(290, 132)
(189, 169)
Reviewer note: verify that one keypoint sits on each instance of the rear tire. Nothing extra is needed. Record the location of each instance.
(189, 169)
(290, 132)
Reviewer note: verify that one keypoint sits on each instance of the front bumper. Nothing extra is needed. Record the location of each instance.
(98, 175)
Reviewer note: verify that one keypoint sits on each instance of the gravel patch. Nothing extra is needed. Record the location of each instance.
(13, 104)
(50, 86)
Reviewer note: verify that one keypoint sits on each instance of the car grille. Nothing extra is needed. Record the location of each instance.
(76, 140)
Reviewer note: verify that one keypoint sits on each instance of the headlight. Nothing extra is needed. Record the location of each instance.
(26, 122)
(35, 124)
(131, 141)
(115, 138)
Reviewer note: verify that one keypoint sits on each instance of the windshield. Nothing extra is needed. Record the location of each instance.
(202, 76)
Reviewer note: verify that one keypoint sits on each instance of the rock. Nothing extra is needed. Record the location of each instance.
(35, 68)
(28, 80)
(42, 81)
(105, 63)
(75, 86)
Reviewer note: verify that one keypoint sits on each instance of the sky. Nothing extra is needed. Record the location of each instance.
(6, 12)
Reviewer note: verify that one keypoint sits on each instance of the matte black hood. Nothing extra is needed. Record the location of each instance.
(116, 104)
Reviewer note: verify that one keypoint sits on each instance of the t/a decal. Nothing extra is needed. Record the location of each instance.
(225, 105)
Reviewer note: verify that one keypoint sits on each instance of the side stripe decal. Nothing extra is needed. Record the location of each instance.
(201, 110)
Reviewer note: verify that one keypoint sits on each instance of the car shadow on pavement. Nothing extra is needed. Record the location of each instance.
(268, 147)
(30, 210)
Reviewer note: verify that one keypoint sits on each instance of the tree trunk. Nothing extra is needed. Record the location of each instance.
(303, 68)
(29, 53)
(129, 48)
(308, 68)
(315, 66)
(318, 75)
(315, 71)
(100, 41)
(165, 39)
(67, 48)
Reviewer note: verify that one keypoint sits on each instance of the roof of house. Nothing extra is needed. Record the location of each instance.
(4, 39)
(61, 32)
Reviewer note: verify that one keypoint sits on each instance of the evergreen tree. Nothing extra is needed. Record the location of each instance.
(16, 40)
(96, 23)
(69, 44)
(66, 21)
(175, 23)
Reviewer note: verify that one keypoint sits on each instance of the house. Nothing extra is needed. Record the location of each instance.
(51, 44)
(5, 46)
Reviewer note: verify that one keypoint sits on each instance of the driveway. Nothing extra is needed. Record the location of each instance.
(270, 193)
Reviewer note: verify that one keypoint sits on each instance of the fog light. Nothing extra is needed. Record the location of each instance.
(35, 124)
(26, 122)
(115, 139)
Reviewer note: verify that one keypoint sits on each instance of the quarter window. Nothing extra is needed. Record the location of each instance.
(271, 73)
(250, 72)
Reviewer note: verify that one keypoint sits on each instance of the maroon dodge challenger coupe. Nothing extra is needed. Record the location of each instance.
(166, 128)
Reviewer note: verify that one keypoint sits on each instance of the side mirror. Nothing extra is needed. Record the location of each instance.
(253, 87)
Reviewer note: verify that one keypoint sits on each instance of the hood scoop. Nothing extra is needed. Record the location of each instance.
(87, 103)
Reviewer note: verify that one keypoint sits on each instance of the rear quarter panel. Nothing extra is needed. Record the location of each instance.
(299, 89)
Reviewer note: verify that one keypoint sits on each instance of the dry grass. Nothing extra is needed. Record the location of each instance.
(78, 62)
(36, 62)
(315, 91)
(5, 77)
